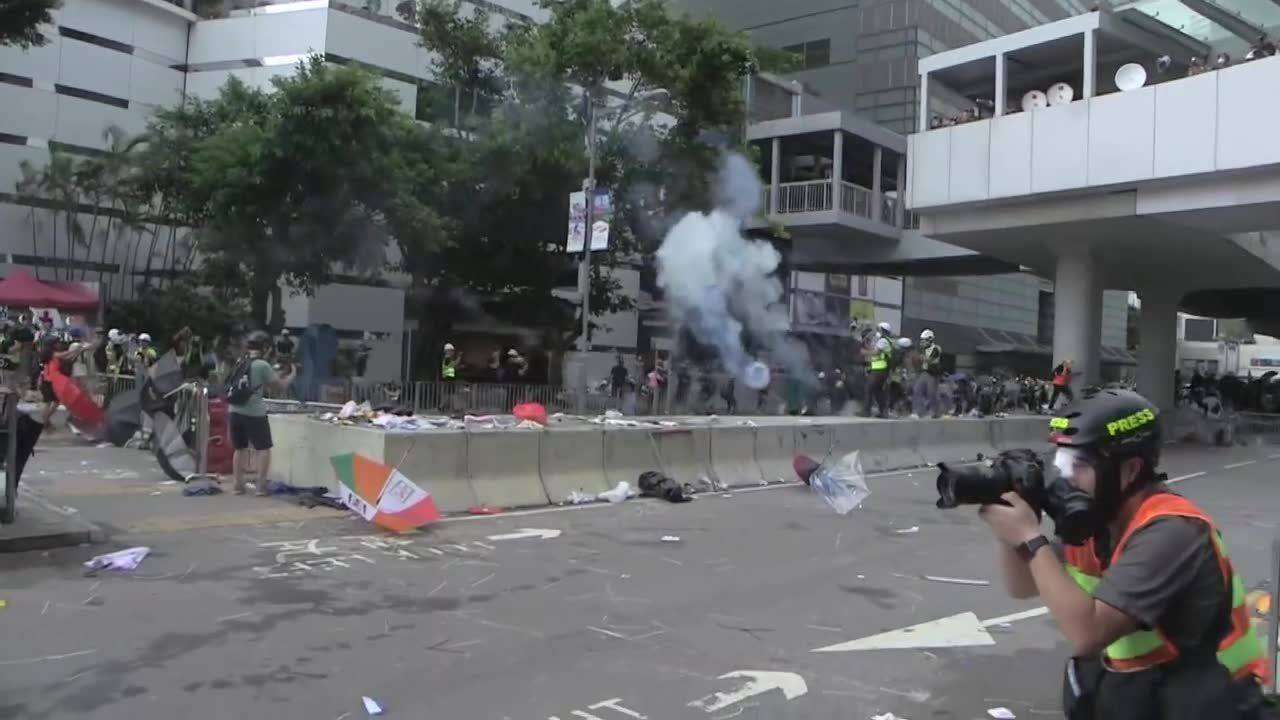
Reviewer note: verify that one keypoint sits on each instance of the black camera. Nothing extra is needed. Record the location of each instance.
(1020, 471)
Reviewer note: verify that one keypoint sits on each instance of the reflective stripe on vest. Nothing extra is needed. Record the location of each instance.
(1240, 650)
(880, 361)
(449, 372)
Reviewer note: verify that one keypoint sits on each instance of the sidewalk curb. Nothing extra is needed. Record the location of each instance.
(79, 532)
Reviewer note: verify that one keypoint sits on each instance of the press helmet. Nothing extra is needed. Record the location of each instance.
(926, 336)
(1104, 428)
(886, 328)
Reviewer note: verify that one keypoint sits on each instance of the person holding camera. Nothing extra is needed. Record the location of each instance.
(1139, 581)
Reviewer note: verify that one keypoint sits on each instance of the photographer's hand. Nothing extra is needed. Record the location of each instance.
(1014, 523)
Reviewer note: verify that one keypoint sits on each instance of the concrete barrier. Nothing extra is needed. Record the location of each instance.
(685, 454)
(733, 456)
(955, 440)
(436, 460)
(627, 453)
(570, 460)
(521, 468)
(775, 449)
(1019, 432)
(503, 468)
(303, 447)
(814, 440)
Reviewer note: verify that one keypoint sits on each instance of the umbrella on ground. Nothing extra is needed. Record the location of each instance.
(382, 495)
(79, 403)
(124, 417)
(176, 458)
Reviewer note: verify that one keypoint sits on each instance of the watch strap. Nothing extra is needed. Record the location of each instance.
(1028, 549)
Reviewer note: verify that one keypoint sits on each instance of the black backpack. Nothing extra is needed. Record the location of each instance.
(239, 390)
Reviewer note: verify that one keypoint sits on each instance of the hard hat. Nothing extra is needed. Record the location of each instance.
(448, 346)
(513, 353)
(113, 333)
(885, 327)
(904, 343)
(926, 335)
(285, 332)
(144, 338)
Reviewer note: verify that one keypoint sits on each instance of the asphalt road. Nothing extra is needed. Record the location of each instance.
(635, 611)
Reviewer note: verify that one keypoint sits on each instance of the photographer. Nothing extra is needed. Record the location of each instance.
(1143, 590)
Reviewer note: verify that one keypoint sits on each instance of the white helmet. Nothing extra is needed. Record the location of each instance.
(886, 328)
(448, 346)
(112, 334)
(904, 343)
(145, 338)
(926, 336)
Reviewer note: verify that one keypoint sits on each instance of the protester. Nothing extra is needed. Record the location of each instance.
(249, 426)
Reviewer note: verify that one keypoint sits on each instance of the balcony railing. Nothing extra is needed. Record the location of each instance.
(810, 196)
(855, 199)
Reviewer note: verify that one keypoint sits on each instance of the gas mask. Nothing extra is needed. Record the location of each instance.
(1077, 515)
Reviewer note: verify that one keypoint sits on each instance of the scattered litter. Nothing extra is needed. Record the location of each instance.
(956, 581)
(908, 531)
(532, 413)
(620, 492)
(862, 577)
(887, 716)
(655, 484)
(727, 495)
(1001, 713)
(371, 706)
(842, 483)
(201, 488)
(484, 510)
(670, 538)
(577, 497)
(157, 492)
(169, 482)
(128, 559)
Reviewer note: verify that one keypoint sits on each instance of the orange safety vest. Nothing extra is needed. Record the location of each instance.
(1240, 651)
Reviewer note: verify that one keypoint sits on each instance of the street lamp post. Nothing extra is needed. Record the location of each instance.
(584, 265)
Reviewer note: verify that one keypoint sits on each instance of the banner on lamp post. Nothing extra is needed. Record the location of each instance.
(601, 217)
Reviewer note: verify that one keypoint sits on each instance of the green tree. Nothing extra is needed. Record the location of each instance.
(21, 21)
(467, 52)
(293, 186)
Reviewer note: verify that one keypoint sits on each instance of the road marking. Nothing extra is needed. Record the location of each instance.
(1015, 617)
(1274, 456)
(1180, 478)
(1233, 466)
(759, 681)
(961, 630)
(527, 533)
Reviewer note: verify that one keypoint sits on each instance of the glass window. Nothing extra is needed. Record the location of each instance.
(817, 53)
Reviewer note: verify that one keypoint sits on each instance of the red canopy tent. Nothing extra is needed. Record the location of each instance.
(22, 290)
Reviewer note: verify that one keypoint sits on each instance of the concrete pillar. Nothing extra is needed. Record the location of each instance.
(1090, 64)
(1158, 346)
(1002, 85)
(837, 171)
(877, 189)
(924, 102)
(775, 175)
(899, 210)
(1077, 315)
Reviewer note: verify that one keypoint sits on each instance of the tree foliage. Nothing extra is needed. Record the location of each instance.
(21, 21)
(625, 65)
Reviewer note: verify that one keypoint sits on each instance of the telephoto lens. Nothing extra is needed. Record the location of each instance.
(1020, 471)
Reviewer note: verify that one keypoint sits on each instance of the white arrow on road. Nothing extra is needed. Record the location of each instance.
(526, 533)
(760, 681)
(962, 630)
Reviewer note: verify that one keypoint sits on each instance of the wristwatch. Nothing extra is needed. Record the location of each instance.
(1028, 549)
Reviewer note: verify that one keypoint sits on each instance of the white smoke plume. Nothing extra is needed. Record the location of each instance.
(718, 283)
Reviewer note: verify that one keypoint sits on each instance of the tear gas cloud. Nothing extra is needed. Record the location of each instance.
(721, 285)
